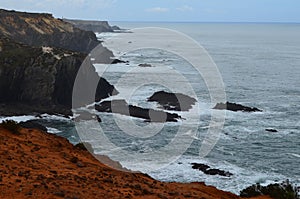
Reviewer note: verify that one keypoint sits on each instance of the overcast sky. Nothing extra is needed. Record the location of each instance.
(165, 10)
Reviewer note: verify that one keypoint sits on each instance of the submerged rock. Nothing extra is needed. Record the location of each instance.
(235, 107)
(145, 65)
(150, 115)
(173, 101)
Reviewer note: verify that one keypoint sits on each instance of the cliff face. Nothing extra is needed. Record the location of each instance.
(40, 79)
(40, 57)
(44, 30)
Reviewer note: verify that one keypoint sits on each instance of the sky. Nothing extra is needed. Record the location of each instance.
(165, 10)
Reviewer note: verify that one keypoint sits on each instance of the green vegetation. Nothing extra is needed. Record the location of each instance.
(284, 190)
(11, 126)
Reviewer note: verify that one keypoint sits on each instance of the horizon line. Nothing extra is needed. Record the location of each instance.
(257, 22)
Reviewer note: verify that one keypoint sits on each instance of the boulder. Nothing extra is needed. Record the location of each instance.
(173, 101)
(235, 107)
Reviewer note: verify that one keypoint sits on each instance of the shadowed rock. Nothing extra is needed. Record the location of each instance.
(208, 171)
(272, 130)
(173, 101)
(150, 115)
(38, 80)
(33, 125)
(235, 107)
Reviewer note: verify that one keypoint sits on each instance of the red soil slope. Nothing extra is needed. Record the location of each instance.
(35, 164)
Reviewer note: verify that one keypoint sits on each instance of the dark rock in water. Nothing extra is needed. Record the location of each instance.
(272, 130)
(116, 61)
(208, 171)
(116, 28)
(98, 118)
(145, 65)
(150, 115)
(218, 172)
(33, 125)
(173, 101)
(199, 166)
(235, 107)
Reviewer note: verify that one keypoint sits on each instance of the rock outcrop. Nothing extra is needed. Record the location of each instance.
(208, 171)
(173, 101)
(150, 115)
(95, 26)
(39, 79)
(235, 107)
(271, 130)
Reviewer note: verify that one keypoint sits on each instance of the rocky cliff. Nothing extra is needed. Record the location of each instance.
(45, 30)
(39, 59)
(95, 26)
(40, 79)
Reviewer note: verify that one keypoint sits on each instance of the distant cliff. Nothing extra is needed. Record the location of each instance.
(95, 26)
(43, 29)
(39, 59)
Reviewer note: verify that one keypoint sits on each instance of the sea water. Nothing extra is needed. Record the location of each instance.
(260, 67)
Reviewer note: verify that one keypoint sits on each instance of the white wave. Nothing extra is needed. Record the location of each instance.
(181, 171)
(53, 130)
(55, 117)
(23, 118)
(294, 155)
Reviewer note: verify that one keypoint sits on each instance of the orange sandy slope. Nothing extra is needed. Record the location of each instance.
(35, 164)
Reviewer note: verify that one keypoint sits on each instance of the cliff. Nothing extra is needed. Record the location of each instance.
(44, 30)
(40, 79)
(40, 57)
(41, 165)
(95, 26)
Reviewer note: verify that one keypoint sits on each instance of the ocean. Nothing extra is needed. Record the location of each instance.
(260, 67)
